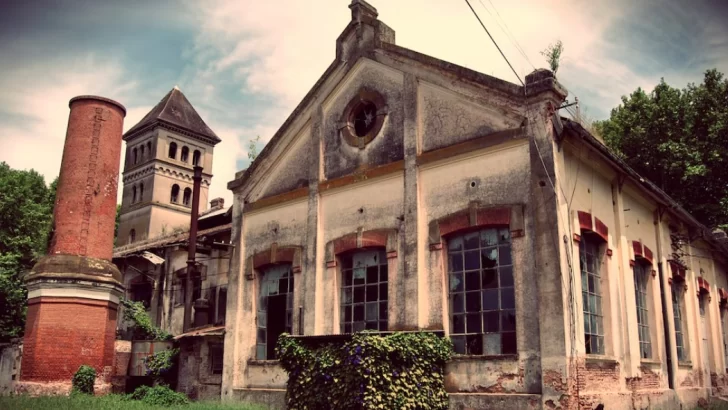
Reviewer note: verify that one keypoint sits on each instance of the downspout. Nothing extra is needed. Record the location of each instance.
(665, 325)
(192, 248)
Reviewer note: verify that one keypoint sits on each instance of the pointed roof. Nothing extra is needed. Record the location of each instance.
(175, 112)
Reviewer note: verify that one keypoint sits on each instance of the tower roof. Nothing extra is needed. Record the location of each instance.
(174, 111)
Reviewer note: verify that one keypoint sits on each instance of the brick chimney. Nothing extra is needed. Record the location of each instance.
(74, 291)
(217, 203)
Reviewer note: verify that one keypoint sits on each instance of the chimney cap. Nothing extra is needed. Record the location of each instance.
(360, 8)
(97, 98)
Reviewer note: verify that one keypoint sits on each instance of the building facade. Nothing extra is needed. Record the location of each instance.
(161, 151)
(405, 193)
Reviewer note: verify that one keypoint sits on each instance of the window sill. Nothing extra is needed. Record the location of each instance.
(601, 360)
(264, 363)
(468, 357)
(685, 364)
(651, 362)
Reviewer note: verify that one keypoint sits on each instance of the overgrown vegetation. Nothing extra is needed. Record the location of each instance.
(678, 139)
(83, 380)
(397, 371)
(158, 396)
(160, 364)
(109, 402)
(143, 327)
(26, 212)
(552, 54)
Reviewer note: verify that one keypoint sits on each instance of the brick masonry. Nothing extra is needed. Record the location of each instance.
(64, 333)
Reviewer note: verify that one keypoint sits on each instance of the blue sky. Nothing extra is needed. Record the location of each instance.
(245, 64)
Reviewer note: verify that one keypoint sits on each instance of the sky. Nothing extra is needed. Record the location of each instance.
(245, 64)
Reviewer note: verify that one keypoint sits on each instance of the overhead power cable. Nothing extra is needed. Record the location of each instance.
(494, 42)
(507, 31)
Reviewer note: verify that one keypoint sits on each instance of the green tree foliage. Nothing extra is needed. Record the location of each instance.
(253, 148)
(552, 54)
(143, 327)
(26, 212)
(679, 140)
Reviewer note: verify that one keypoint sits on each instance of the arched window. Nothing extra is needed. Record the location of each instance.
(141, 152)
(677, 290)
(185, 153)
(132, 236)
(275, 308)
(133, 194)
(591, 292)
(141, 191)
(186, 199)
(175, 193)
(173, 150)
(196, 158)
(364, 293)
(482, 297)
(149, 149)
(135, 155)
(641, 271)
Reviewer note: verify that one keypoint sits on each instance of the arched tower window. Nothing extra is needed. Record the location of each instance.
(132, 236)
(187, 197)
(175, 193)
(185, 153)
(173, 150)
(133, 194)
(149, 148)
(135, 155)
(141, 191)
(141, 152)
(196, 158)
(275, 308)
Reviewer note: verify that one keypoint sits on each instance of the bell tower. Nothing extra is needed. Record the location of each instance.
(161, 151)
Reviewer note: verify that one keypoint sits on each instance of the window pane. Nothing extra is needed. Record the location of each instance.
(383, 295)
(347, 295)
(504, 235)
(475, 344)
(508, 341)
(508, 300)
(455, 244)
(471, 241)
(474, 323)
(458, 344)
(472, 260)
(383, 270)
(490, 279)
(372, 274)
(504, 255)
(456, 262)
(472, 280)
(383, 311)
(490, 321)
(506, 276)
(489, 237)
(372, 312)
(490, 257)
(492, 344)
(490, 299)
(359, 294)
(348, 313)
(472, 301)
(372, 293)
(359, 276)
(458, 324)
(508, 320)
(347, 274)
(457, 303)
(456, 283)
(358, 313)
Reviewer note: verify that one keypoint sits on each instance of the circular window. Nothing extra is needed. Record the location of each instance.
(364, 117)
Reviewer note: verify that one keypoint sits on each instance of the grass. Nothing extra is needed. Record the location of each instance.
(110, 402)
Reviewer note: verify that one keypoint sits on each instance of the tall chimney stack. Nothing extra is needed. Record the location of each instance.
(74, 291)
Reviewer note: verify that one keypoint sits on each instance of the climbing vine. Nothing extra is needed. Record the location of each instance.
(397, 371)
(143, 327)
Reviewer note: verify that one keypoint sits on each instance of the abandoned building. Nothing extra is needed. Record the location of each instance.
(162, 150)
(405, 192)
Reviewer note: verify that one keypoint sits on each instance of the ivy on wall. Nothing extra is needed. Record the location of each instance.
(143, 327)
(397, 371)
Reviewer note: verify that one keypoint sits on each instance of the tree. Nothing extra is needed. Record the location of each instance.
(253, 148)
(679, 140)
(116, 221)
(552, 53)
(26, 212)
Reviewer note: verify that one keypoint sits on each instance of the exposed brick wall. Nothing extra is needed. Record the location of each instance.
(65, 333)
(648, 381)
(85, 206)
(599, 376)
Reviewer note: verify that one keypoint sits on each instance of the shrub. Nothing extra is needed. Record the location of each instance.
(398, 371)
(143, 327)
(159, 364)
(83, 380)
(158, 396)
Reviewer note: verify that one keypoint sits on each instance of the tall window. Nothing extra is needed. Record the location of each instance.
(185, 153)
(141, 191)
(216, 356)
(364, 291)
(482, 297)
(149, 148)
(175, 193)
(641, 278)
(135, 155)
(173, 150)
(196, 158)
(677, 313)
(187, 197)
(141, 152)
(275, 309)
(591, 292)
(133, 194)
(141, 291)
(132, 236)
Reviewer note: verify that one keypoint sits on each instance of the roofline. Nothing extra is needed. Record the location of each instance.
(160, 123)
(164, 241)
(673, 206)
